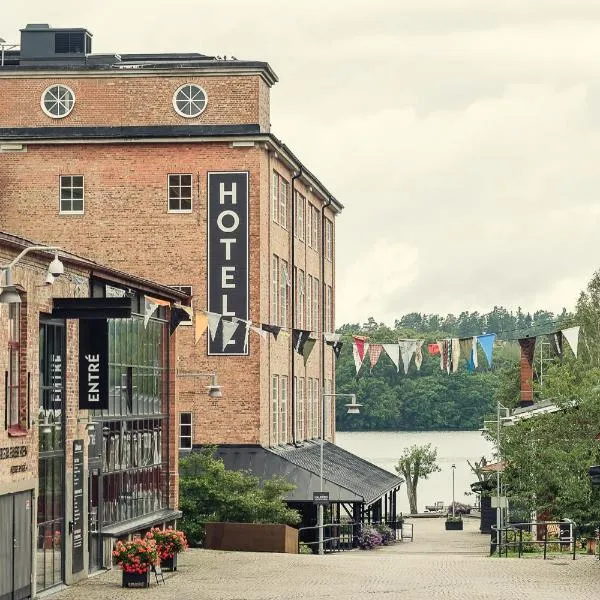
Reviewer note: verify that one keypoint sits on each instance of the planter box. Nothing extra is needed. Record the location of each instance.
(169, 563)
(251, 537)
(454, 525)
(136, 580)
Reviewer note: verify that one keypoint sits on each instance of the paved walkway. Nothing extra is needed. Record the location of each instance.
(439, 564)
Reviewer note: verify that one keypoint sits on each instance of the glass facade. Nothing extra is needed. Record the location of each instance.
(51, 501)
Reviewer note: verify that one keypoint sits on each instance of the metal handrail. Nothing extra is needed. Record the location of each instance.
(331, 543)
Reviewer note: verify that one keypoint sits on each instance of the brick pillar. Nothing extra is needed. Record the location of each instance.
(526, 365)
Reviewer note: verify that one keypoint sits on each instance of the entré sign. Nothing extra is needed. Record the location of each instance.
(227, 256)
(93, 364)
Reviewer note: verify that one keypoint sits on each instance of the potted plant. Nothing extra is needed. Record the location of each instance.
(136, 557)
(169, 543)
(454, 522)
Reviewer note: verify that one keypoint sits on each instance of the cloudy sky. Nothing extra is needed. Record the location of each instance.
(463, 138)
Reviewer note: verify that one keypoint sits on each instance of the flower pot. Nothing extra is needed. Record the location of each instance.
(169, 563)
(454, 525)
(136, 580)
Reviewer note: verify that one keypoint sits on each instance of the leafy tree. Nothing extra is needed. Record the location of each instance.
(209, 492)
(416, 462)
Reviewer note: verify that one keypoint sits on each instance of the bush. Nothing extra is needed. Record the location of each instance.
(168, 541)
(369, 538)
(386, 533)
(135, 556)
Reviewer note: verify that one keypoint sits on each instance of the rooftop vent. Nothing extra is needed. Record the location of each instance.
(42, 45)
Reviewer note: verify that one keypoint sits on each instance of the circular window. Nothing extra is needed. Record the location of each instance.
(58, 101)
(189, 100)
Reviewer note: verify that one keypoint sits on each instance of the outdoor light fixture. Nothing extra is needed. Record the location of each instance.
(353, 407)
(9, 293)
(214, 389)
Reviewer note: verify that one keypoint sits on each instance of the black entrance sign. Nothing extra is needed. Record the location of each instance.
(91, 308)
(77, 506)
(93, 364)
(320, 497)
(227, 251)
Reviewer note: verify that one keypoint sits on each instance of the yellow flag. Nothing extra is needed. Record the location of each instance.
(201, 325)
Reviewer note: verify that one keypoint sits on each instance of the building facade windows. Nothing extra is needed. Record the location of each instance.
(283, 402)
(275, 410)
(328, 325)
(315, 410)
(300, 298)
(185, 431)
(189, 100)
(279, 200)
(180, 193)
(315, 305)
(283, 293)
(299, 392)
(58, 101)
(300, 206)
(328, 240)
(312, 227)
(309, 407)
(13, 387)
(275, 290)
(71, 194)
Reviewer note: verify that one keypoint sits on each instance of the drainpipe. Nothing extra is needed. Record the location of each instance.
(323, 288)
(296, 175)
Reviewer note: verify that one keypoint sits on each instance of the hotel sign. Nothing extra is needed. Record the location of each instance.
(227, 256)
(93, 364)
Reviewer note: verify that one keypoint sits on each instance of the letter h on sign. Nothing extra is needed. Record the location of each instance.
(227, 251)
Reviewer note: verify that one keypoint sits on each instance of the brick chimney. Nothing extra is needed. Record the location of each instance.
(526, 367)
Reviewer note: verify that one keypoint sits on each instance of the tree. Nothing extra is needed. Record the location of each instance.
(209, 492)
(416, 462)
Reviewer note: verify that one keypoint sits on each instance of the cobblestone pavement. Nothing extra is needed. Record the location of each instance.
(438, 564)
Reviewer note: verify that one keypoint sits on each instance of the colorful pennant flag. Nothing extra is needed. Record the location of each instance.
(299, 339)
(228, 329)
(556, 341)
(200, 326)
(331, 338)
(455, 343)
(307, 349)
(474, 357)
(466, 348)
(150, 306)
(393, 351)
(273, 329)
(178, 314)
(374, 353)
(486, 342)
(433, 349)
(337, 348)
(407, 349)
(213, 323)
(572, 336)
(359, 349)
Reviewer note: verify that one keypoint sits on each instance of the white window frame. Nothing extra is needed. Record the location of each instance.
(189, 290)
(275, 410)
(191, 100)
(308, 294)
(316, 405)
(300, 299)
(329, 240)
(67, 106)
(315, 305)
(275, 290)
(283, 401)
(191, 434)
(315, 229)
(179, 186)
(283, 292)
(309, 390)
(13, 396)
(275, 197)
(299, 392)
(283, 202)
(309, 224)
(71, 187)
(300, 204)
(328, 308)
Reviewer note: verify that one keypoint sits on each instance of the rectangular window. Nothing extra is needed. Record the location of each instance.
(300, 298)
(300, 408)
(186, 289)
(309, 407)
(300, 206)
(328, 308)
(316, 403)
(275, 197)
(309, 225)
(283, 203)
(315, 305)
(283, 427)
(308, 295)
(315, 228)
(275, 290)
(71, 194)
(328, 239)
(14, 365)
(180, 193)
(185, 431)
(275, 411)
(283, 293)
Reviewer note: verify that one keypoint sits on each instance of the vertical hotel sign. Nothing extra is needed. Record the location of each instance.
(93, 364)
(227, 256)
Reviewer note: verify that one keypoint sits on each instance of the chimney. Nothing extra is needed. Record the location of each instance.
(526, 368)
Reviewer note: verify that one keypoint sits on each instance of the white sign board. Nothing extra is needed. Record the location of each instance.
(499, 502)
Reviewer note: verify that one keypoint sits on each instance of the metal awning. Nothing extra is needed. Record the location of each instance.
(141, 523)
(347, 477)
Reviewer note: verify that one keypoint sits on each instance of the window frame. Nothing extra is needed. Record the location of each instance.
(283, 402)
(300, 422)
(275, 289)
(308, 294)
(180, 186)
(190, 100)
(315, 304)
(69, 109)
(328, 249)
(16, 355)
(283, 202)
(299, 210)
(274, 410)
(180, 435)
(275, 197)
(71, 187)
(316, 406)
(315, 228)
(284, 275)
(300, 297)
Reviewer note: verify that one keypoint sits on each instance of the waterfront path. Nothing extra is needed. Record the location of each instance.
(439, 564)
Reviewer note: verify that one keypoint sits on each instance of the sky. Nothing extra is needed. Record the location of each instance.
(462, 138)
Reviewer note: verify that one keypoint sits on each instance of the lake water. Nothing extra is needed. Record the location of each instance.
(383, 448)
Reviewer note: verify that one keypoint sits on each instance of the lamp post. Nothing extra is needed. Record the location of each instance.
(453, 469)
(214, 389)
(353, 409)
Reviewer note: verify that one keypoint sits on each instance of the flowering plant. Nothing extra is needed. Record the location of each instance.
(136, 556)
(168, 541)
(369, 538)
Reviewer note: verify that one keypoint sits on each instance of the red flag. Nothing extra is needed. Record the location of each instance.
(433, 349)
(359, 342)
(375, 353)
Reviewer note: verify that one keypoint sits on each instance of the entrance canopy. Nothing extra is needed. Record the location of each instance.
(346, 477)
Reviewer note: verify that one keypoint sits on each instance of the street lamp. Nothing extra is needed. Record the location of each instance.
(353, 409)
(453, 469)
(214, 389)
(10, 294)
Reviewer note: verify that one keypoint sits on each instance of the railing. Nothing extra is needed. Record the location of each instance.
(337, 537)
(510, 537)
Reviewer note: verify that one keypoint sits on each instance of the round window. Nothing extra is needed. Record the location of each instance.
(189, 100)
(58, 101)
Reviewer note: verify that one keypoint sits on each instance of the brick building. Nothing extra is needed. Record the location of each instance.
(73, 478)
(164, 165)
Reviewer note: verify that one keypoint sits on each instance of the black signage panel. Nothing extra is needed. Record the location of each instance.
(91, 308)
(77, 506)
(227, 251)
(320, 497)
(93, 364)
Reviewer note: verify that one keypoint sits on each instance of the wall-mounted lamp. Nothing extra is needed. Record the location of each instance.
(10, 294)
(214, 389)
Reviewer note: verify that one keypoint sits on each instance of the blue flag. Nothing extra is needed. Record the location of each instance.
(487, 344)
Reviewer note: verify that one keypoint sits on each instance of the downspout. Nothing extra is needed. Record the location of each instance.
(323, 288)
(296, 175)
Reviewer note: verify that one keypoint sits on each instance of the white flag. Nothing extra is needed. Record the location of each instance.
(407, 349)
(419, 354)
(332, 338)
(357, 359)
(150, 306)
(229, 328)
(572, 336)
(213, 323)
(393, 351)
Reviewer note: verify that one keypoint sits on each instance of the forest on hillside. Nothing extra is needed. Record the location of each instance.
(431, 399)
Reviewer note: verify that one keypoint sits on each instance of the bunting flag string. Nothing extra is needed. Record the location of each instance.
(374, 354)
(419, 354)
(150, 307)
(213, 323)
(486, 342)
(200, 326)
(393, 351)
(572, 336)
(455, 354)
(407, 349)
(229, 329)
(359, 349)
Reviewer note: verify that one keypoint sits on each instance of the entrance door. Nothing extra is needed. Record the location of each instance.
(94, 537)
(15, 546)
